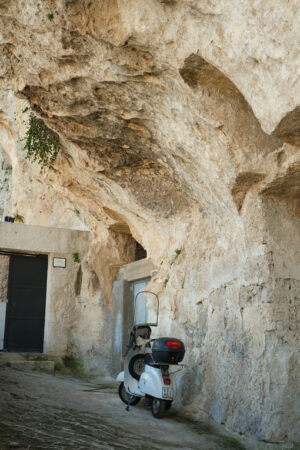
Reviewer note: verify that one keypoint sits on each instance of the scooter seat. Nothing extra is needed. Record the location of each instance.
(144, 331)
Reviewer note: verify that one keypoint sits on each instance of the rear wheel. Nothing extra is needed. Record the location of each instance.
(125, 397)
(158, 407)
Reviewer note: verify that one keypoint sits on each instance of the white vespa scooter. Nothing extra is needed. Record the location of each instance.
(146, 369)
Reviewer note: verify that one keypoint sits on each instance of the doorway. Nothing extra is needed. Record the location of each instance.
(141, 313)
(25, 313)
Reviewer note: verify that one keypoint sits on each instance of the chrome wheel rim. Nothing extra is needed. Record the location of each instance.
(139, 366)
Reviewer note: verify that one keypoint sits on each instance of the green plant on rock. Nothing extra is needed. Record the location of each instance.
(166, 280)
(19, 218)
(41, 143)
(177, 253)
(76, 257)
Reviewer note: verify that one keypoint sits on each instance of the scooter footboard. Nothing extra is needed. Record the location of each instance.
(152, 383)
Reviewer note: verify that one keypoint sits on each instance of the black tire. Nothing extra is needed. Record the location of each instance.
(124, 396)
(168, 404)
(158, 407)
(136, 366)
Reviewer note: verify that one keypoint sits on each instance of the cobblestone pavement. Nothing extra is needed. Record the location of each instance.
(41, 411)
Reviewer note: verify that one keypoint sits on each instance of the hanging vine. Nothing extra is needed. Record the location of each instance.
(41, 143)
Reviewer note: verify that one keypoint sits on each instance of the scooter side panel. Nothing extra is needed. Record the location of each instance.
(151, 383)
(132, 386)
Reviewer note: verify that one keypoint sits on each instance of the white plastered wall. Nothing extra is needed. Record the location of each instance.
(60, 296)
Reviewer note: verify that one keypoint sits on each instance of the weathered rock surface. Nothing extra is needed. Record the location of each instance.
(4, 264)
(179, 122)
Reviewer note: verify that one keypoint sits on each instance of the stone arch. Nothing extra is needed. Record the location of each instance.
(120, 225)
(288, 129)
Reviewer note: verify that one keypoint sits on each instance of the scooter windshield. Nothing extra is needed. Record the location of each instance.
(146, 307)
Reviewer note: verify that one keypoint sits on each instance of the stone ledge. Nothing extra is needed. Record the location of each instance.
(44, 366)
(136, 270)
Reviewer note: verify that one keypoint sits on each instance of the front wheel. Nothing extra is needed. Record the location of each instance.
(125, 397)
(158, 407)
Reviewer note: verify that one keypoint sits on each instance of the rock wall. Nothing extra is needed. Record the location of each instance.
(5, 167)
(5, 185)
(4, 265)
(179, 127)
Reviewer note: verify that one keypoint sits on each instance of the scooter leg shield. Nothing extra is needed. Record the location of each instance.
(120, 377)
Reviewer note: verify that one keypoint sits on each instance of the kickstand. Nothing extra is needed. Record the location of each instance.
(128, 403)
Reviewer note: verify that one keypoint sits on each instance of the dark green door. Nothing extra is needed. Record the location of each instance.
(25, 314)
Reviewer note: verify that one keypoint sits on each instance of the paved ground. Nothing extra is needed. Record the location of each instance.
(41, 411)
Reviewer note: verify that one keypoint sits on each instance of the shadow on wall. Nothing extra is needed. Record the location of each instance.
(231, 115)
(288, 129)
(281, 208)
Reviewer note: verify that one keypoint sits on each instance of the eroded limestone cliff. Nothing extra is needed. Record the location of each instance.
(179, 122)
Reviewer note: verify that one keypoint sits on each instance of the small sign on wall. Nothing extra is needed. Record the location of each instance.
(59, 262)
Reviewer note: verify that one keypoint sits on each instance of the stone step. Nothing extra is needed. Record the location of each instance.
(26, 362)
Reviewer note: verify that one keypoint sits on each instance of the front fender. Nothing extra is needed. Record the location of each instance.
(120, 377)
